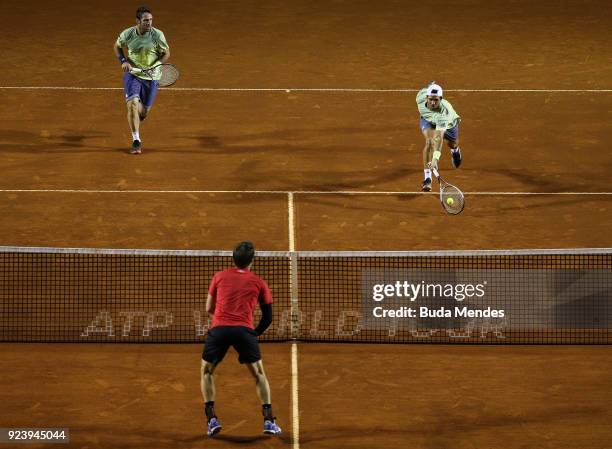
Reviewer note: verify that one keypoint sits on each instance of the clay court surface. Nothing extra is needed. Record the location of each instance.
(310, 169)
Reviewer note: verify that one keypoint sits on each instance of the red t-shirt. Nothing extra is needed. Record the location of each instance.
(237, 291)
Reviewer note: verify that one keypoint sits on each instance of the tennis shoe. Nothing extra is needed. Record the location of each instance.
(271, 428)
(136, 147)
(426, 187)
(456, 154)
(214, 427)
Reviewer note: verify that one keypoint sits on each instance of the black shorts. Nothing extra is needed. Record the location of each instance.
(220, 338)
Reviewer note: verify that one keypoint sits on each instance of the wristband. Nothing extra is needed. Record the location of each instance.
(121, 59)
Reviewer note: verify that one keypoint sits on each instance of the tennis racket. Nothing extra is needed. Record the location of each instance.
(165, 74)
(451, 197)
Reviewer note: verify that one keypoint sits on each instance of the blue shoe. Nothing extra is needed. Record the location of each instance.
(214, 426)
(426, 187)
(456, 154)
(271, 428)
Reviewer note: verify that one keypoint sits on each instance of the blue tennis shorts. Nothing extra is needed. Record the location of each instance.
(450, 134)
(134, 87)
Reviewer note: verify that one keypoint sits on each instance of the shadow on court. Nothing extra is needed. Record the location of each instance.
(66, 141)
(72, 142)
(567, 182)
(238, 439)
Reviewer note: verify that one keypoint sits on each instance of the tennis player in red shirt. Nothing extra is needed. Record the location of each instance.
(232, 297)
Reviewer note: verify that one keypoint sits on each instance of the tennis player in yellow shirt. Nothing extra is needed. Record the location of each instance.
(146, 46)
(439, 122)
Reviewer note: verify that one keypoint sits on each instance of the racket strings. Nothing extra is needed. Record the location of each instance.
(169, 75)
(452, 199)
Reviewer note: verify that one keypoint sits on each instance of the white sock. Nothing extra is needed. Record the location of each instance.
(136, 136)
(427, 173)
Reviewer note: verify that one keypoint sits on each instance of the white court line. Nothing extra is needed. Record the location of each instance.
(295, 409)
(297, 192)
(291, 221)
(301, 89)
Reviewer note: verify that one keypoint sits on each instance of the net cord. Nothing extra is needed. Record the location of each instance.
(298, 254)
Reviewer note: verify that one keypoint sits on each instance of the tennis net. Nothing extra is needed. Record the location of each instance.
(487, 297)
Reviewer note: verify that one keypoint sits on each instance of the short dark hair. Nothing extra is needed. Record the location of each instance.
(140, 11)
(243, 254)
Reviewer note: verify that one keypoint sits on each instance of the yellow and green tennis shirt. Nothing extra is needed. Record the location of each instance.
(143, 49)
(445, 118)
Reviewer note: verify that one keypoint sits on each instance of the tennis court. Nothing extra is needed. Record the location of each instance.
(294, 125)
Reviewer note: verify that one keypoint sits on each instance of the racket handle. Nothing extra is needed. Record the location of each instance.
(435, 172)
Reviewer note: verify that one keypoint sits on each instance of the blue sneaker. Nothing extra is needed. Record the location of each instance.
(214, 426)
(271, 428)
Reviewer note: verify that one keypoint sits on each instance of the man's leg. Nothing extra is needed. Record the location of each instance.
(455, 153)
(140, 111)
(263, 392)
(148, 93)
(452, 140)
(215, 347)
(207, 386)
(207, 381)
(143, 112)
(133, 117)
(261, 381)
(132, 87)
(428, 133)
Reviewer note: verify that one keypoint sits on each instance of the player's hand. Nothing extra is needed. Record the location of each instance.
(433, 165)
(126, 66)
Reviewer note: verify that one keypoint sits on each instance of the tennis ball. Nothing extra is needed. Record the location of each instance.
(450, 201)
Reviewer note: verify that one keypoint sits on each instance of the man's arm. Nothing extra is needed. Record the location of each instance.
(163, 49)
(438, 139)
(211, 302)
(165, 56)
(421, 96)
(266, 318)
(125, 63)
